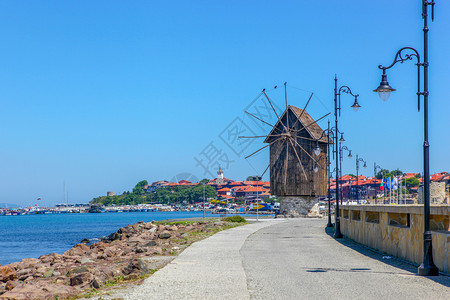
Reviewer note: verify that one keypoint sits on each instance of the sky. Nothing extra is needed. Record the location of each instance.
(98, 95)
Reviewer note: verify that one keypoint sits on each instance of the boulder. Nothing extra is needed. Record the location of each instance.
(48, 273)
(164, 234)
(7, 273)
(11, 284)
(150, 244)
(85, 241)
(81, 279)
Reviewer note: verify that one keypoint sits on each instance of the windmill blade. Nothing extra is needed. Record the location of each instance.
(263, 147)
(312, 123)
(310, 97)
(260, 136)
(306, 152)
(262, 121)
(273, 161)
(287, 111)
(270, 102)
(299, 161)
(286, 165)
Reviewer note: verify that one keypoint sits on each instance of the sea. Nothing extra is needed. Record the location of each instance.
(30, 236)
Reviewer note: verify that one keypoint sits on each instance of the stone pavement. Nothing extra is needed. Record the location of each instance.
(285, 259)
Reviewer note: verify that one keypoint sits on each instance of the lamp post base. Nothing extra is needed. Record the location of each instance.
(330, 224)
(427, 270)
(337, 231)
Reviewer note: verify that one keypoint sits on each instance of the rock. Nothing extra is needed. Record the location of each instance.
(7, 273)
(85, 241)
(11, 284)
(173, 228)
(164, 235)
(77, 270)
(150, 244)
(85, 260)
(153, 229)
(29, 262)
(81, 279)
(95, 283)
(35, 291)
(78, 250)
(48, 273)
(139, 250)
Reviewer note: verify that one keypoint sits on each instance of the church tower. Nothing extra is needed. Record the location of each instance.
(219, 179)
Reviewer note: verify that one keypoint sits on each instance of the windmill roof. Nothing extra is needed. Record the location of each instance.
(308, 122)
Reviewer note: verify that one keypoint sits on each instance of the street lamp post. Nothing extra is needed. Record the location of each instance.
(204, 199)
(375, 168)
(357, 175)
(341, 159)
(317, 151)
(427, 268)
(337, 108)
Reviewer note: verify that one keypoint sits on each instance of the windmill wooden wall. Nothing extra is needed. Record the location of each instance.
(288, 156)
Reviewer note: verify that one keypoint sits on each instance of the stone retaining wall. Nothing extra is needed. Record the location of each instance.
(297, 206)
(398, 230)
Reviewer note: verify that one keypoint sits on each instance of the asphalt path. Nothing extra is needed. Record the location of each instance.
(284, 259)
(299, 259)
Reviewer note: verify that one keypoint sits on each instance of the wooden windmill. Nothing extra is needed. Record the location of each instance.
(295, 170)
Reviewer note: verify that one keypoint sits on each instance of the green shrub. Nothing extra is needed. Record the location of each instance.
(235, 219)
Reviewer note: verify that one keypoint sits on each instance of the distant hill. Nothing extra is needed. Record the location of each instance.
(8, 205)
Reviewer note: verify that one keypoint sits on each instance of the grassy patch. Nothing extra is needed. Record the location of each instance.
(235, 219)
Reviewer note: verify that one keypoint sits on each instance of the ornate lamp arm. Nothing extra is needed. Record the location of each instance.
(402, 55)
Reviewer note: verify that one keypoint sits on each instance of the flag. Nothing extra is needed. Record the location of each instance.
(382, 185)
(395, 183)
(388, 183)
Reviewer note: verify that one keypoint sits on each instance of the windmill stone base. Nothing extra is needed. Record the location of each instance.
(297, 206)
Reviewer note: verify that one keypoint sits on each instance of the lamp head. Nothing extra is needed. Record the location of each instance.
(317, 150)
(355, 105)
(350, 154)
(384, 90)
(342, 138)
(316, 168)
(365, 165)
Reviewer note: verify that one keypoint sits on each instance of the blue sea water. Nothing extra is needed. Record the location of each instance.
(30, 236)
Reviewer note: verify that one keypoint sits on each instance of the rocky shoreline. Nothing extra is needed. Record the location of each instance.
(132, 253)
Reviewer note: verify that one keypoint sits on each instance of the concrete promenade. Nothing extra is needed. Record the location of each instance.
(285, 259)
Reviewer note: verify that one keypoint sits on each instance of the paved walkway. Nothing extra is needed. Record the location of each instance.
(285, 259)
(209, 269)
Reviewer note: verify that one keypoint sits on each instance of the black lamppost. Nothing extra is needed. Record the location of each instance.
(357, 175)
(344, 148)
(317, 151)
(427, 268)
(337, 108)
(375, 168)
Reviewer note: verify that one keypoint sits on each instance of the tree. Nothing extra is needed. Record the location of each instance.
(139, 188)
(254, 178)
(418, 175)
(397, 172)
(381, 173)
(204, 181)
(411, 182)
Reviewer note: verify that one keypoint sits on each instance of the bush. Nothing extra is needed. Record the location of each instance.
(235, 219)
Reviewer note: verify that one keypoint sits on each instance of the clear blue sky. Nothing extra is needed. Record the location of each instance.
(103, 94)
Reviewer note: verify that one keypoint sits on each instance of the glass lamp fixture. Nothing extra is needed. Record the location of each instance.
(384, 90)
(355, 105)
(316, 168)
(342, 138)
(365, 165)
(317, 150)
(350, 154)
